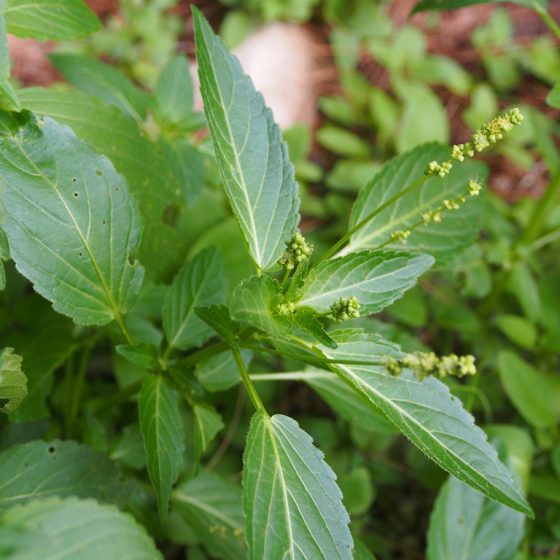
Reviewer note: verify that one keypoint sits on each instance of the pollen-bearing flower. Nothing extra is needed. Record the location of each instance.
(423, 364)
(345, 308)
(297, 251)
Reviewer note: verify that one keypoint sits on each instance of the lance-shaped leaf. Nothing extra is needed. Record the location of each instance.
(292, 504)
(467, 525)
(200, 281)
(72, 528)
(253, 158)
(375, 278)
(13, 382)
(458, 228)
(212, 507)
(39, 469)
(426, 412)
(50, 19)
(162, 430)
(8, 97)
(71, 224)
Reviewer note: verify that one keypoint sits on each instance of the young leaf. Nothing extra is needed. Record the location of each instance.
(103, 81)
(429, 416)
(309, 324)
(423, 5)
(375, 278)
(218, 318)
(151, 179)
(253, 158)
(174, 93)
(13, 383)
(72, 528)
(444, 240)
(162, 430)
(212, 507)
(208, 425)
(50, 19)
(200, 281)
(292, 504)
(465, 524)
(38, 469)
(83, 263)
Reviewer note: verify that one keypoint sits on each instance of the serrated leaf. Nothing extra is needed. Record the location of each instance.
(84, 264)
(174, 93)
(104, 81)
(144, 164)
(444, 240)
(465, 524)
(199, 282)
(253, 158)
(141, 354)
(13, 382)
(375, 278)
(71, 528)
(162, 430)
(212, 507)
(43, 469)
(428, 415)
(220, 372)
(50, 19)
(292, 504)
(455, 4)
(218, 318)
(49, 346)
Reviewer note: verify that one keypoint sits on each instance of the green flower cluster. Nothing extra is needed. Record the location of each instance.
(488, 135)
(345, 308)
(284, 309)
(439, 169)
(297, 251)
(423, 364)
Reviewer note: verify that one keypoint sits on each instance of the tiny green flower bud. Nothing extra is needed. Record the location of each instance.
(400, 236)
(345, 308)
(473, 188)
(284, 309)
(297, 251)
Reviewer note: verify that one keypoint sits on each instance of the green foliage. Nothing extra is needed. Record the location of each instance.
(174, 346)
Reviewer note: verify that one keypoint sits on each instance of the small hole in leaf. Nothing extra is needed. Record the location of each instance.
(76, 195)
(74, 179)
(98, 172)
(104, 222)
(52, 449)
(80, 254)
(131, 260)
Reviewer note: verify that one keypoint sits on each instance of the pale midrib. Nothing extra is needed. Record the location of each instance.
(108, 295)
(403, 413)
(238, 168)
(285, 501)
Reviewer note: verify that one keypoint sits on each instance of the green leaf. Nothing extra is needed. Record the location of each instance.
(375, 278)
(84, 264)
(8, 97)
(553, 98)
(212, 507)
(199, 282)
(50, 19)
(467, 525)
(292, 504)
(253, 158)
(424, 117)
(46, 349)
(218, 318)
(174, 93)
(187, 165)
(518, 329)
(13, 382)
(532, 393)
(145, 165)
(142, 355)
(458, 228)
(71, 528)
(4, 256)
(104, 81)
(428, 415)
(208, 425)
(309, 324)
(220, 372)
(40, 469)
(162, 430)
(343, 142)
(454, 4)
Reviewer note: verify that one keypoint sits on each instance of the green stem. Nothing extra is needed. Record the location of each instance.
(120, 322)
(343, 240)
(204, 354)
(545, 240)
(290, 376)
(546, 17)
(251, 390)
(78, 387)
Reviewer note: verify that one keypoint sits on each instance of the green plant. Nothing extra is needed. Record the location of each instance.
(116, 212)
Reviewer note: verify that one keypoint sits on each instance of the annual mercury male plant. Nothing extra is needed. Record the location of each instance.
(91, 217)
